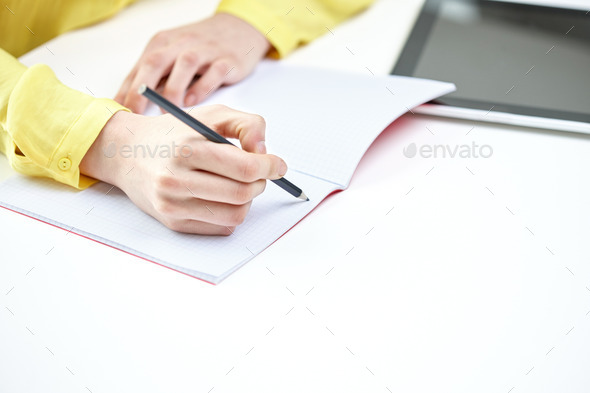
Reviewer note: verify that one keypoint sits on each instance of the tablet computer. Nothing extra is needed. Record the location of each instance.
(512, 63)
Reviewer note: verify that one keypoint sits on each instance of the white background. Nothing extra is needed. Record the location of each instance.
(427, 274)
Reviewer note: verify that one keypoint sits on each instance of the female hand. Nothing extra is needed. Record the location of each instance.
(176, 175)
(222, 49)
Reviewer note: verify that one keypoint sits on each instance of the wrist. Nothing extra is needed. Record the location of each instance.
(102, 160)
(260, 43)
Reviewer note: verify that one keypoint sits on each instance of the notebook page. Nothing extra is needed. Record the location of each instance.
(104, 213)
(314, 122)
(321, 122)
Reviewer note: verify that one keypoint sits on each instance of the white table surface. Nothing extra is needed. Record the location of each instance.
(447, 274)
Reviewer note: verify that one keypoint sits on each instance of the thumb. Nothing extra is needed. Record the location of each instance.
(230, 123)
(275, 166)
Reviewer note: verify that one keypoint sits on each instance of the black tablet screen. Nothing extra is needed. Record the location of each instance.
(519, 58)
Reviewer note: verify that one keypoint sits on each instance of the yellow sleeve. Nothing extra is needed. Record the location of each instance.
(46, 128)
(288, 24)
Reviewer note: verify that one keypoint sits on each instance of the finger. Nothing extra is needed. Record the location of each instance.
(209, 81)
(160, 40)
(216, 213)
(250, 130)
(151, 69)
(207, 186)
(200, 228)
(120, 96)
(226, 160)
(185, 67)
(230, 123)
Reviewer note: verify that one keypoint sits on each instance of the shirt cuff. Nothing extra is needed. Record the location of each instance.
(52, 126)
(278, 33)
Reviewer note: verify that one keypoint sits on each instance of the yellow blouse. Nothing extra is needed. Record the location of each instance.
(46, 128)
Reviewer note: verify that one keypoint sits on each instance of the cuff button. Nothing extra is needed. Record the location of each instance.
(64, 164)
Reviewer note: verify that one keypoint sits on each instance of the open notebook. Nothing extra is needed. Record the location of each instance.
(320, 121)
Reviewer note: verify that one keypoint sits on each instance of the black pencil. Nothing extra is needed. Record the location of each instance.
(209, 133)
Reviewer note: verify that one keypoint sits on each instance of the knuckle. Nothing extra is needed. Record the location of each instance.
(214, 108)
(165, 181)
(154, 59)
(250, 169)
(189, 58)
(259, 121)
(237, 215)
(175, 225)
(164, 208)
(185, 151)
(221, 67)
(262, 187)
(227, 231)
(211, 111)
(171, 92)
(201, 150)
(243, 193)
(205, 152)
(255, 122)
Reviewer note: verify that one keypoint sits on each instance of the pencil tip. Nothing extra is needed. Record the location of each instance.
(303, 197)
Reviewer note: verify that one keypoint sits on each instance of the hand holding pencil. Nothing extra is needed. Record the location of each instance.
(210, 134)
(178, 176)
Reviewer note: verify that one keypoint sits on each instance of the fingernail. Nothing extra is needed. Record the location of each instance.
(282, 168)
(261, 147)
(190, 100)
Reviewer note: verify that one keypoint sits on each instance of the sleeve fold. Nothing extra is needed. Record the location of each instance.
(288, 24)
(46, 127)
